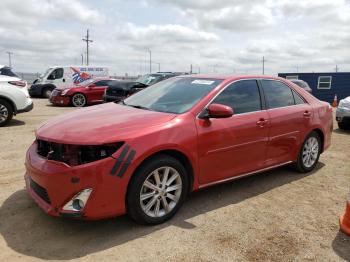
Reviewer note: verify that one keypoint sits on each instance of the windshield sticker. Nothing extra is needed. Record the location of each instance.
(202, 82)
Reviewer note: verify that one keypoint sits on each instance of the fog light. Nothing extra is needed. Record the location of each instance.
(78, 202)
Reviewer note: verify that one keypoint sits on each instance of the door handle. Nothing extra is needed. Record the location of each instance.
(307, 114)
(262, 122)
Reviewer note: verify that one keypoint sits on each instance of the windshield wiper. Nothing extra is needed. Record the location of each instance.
(138, 107)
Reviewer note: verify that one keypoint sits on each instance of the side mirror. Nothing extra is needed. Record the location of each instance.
(91, 85)
(217, 111)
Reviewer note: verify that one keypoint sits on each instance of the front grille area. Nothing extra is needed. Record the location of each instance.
(74, 155)
(40, 191)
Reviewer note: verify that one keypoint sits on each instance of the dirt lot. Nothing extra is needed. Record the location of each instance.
(276, 216)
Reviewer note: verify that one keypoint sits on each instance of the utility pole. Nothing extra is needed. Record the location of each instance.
(9, 53)
(336, 68)
(191, 69)
(263, 62)
(82, 59)
(87, 40)
(150, 59)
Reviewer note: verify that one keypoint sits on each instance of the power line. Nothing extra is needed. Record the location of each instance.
(87, 40)
(10, 53)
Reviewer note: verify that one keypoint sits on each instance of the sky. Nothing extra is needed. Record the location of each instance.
(215, 36)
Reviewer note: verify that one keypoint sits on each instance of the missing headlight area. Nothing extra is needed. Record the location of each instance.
(75, 155)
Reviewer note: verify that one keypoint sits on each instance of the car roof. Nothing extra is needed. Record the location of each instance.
(232, 77)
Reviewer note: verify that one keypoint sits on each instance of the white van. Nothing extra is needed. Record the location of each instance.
(59, 76)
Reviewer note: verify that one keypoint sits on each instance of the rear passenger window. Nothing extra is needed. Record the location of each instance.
(242, 96)
(298, 100)
(277, 94)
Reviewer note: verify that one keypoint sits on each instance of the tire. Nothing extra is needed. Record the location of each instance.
(343, 126)
(47, 92)
(78, 100)
(309, 153)
(143, 211)
(6, 112)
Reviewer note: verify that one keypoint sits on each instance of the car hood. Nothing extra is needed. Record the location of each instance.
(100, 124)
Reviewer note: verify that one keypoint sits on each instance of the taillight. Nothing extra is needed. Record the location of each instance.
(18, 83)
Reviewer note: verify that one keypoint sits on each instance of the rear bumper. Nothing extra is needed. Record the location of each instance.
(60, 100)
(26, 109)
(53, 184)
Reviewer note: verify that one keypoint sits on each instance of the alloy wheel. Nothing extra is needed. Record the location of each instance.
(79, 100)
(4, 113)
(310, 151)
(160, 192)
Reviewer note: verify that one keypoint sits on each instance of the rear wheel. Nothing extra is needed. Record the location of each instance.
(6, 112)
(157, 190)
(78, 100)
(309, 153)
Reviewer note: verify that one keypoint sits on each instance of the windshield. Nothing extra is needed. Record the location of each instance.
(46, 73)
(6, 71)
(148, 79)
(175, 95)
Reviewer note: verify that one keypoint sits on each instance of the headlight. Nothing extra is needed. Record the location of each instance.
(74, 155)
(64, 92)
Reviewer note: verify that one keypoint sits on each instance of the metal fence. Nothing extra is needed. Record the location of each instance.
(29, 77)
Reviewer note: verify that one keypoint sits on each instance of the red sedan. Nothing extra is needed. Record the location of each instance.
(144, 155)
(87, 92)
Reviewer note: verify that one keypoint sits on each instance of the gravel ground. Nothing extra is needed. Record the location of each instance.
(274, 216)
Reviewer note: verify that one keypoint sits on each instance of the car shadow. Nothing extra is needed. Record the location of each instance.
(29, 231)
(341, 131)
(15, 122)
(341, 246)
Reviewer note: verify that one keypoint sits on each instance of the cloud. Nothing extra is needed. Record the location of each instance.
(31, 12)
(162, 34)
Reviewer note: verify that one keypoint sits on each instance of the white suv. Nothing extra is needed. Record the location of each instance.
(14, 97)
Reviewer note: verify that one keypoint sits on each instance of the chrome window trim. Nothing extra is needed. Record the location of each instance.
(224, 88)
(256, 79)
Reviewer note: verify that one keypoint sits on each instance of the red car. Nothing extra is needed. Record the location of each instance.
(142, 156)
(87, 92)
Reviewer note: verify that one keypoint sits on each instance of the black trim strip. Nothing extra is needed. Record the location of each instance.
(127, 163)
(119, 160)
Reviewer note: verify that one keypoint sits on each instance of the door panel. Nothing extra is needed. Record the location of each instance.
(290, 117)
(288, 126)
(232, 146)
(96, 92)
(236, 145)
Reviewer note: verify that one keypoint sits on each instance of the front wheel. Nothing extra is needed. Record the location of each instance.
(47, 92)
(309, 153)
(157, 190)
(78, 100)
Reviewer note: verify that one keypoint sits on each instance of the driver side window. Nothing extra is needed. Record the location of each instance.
(56, 74)
(242, 96)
